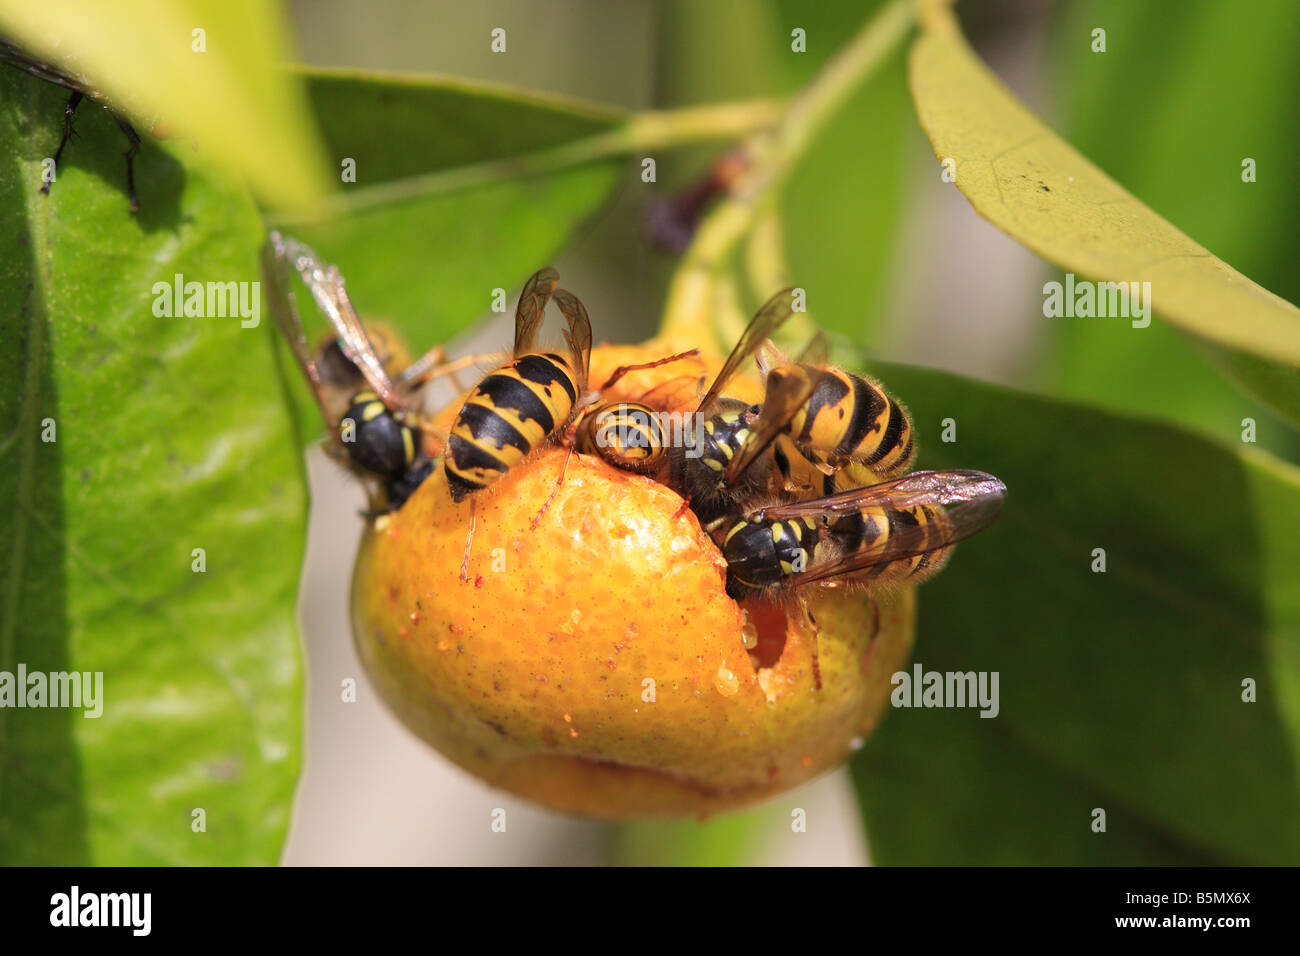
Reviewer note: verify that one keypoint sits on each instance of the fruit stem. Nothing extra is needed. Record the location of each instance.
(774, 155)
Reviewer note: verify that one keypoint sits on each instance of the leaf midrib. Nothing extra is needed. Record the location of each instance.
(26, 429)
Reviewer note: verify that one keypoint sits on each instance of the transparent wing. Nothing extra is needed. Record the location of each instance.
(326, 286)
(578, 334)
(767, 320)
(786, 394)
(918, 488)
(955, 504)
(816, 352)
(670, 391)
(275, 270)
(532, 308)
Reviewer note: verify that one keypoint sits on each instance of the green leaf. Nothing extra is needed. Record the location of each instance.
(170, 435)
(465, 217)
(1032, 185)
(1208, 91)
(1120, 690)
(232, 99)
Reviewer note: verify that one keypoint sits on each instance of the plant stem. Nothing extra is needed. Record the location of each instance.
(641, 133)
(775, 155)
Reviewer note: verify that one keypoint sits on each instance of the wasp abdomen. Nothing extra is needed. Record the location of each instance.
(510, 413)
(628, 435)
(850, 419)
(875, 531)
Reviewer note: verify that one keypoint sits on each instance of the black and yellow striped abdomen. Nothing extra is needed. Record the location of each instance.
(848, 418)
(510, 413)
(628, 435)
(910, 536)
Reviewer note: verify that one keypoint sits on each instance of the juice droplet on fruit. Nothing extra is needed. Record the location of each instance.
(727, 683)
(749, 634)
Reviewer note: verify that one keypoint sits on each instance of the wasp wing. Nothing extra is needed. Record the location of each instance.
(785, 395)
(669, 393)
(816, 352)
(578, 334)
(275, 269)
(325, 284)
(955, 506)
(532, 308)
(766, 321)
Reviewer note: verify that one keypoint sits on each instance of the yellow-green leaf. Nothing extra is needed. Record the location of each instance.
(1034, 186)
(222, 88)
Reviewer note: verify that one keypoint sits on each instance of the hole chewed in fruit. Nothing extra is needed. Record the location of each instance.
(771, 624)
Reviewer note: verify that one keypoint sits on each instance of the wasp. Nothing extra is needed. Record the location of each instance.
(369, 405)
(527, 400)
(80, 88)
(889, 533)
(840, 418)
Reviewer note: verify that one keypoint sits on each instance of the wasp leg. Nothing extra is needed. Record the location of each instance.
(134, 139)
(433, 364)
(68, 132)
(469, 540)
(624, 369)
(559, 482)
(808, 625)
(422, 369)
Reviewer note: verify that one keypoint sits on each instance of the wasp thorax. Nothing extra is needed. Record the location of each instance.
(762, 553)
(374, 438)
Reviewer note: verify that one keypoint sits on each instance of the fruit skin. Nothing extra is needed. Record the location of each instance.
(532, 674)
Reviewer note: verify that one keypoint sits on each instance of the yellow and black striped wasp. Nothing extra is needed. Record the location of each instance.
(525, 402)
(360, 378)
(889, 533)
(833, 417)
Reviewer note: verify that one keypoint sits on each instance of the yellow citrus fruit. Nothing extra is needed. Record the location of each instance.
(594, 663)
